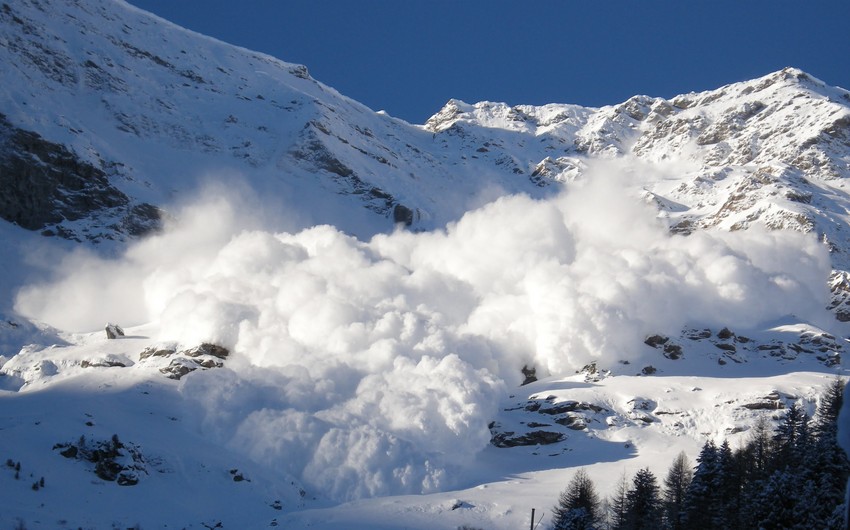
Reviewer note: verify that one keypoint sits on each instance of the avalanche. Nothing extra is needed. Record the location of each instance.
(348, 321)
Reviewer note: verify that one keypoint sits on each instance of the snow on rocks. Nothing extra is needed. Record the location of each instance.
(180, 363)
(113, 460)
(114, 331)
(781, 344)
(373, 367)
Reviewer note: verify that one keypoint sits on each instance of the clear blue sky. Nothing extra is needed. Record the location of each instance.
(409, 57)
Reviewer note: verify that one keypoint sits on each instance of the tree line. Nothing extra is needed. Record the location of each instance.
(789, 477)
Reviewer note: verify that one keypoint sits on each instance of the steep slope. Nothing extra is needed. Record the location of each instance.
(156, 108)
(654, 271)
(770, 152)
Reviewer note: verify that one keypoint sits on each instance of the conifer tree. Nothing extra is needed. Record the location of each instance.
(757, 451)
(807, 472)
(829, 407)
(617, 504)
(675, 488)
(775, 504)
(578, 506)
(643, 503)
(791, 439)
(702, 503)
(828, 465)
(728, 488)
(755, 464)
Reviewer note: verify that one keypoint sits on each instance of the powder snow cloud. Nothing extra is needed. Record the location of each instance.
(373, 367)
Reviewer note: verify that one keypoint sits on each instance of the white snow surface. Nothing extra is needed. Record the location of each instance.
(371, 365)
(374, 368)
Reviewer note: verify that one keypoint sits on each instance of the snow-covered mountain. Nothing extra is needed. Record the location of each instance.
(153, 108)
(656, 272)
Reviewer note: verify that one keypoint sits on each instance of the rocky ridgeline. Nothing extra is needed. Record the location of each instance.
(726, 346)
(548, 418)
(30, 366)
(571, 415)
(87, 107)
(544, 420)
(180, 363)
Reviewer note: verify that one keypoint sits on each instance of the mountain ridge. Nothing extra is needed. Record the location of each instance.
(656, 271)
(380, 161)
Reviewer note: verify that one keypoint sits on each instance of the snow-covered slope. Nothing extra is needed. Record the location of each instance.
(772, 151)
(157, 108)
(662, 268)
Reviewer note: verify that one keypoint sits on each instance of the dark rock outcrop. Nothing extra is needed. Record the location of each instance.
(529, 375)
(207, 349)
(44, 184)
(510, 439)
(112, 460)
(206, 355)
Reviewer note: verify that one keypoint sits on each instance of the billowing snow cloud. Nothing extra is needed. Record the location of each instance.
(373, 367)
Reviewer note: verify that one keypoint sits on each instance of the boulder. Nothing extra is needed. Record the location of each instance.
(656, 340)
(207, 349)
(113, 331)
(530, 375)
(179, 367)
(725, 334)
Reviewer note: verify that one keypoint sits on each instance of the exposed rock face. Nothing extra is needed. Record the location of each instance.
(179, 367)
(180, 363)
(156, 351)
(670, 349)
(540, 413)
(207, 348)
(529, 375)
(402, 214)
(839, 286)
(111, 460)
(725, 345)
(511, 439)
(44, 185)
(640, 410)
(99, 95)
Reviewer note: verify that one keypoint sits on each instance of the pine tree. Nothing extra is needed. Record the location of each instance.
(806, 487)
(775, 504)
(827, 465)
(791, 439)
(675, 488)
(757, 451)
(605, 520)
(754, 464)
(829, 407)
(702, 503)
(617, 504)
(728, 488)
(578, 505)
(643, 503)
